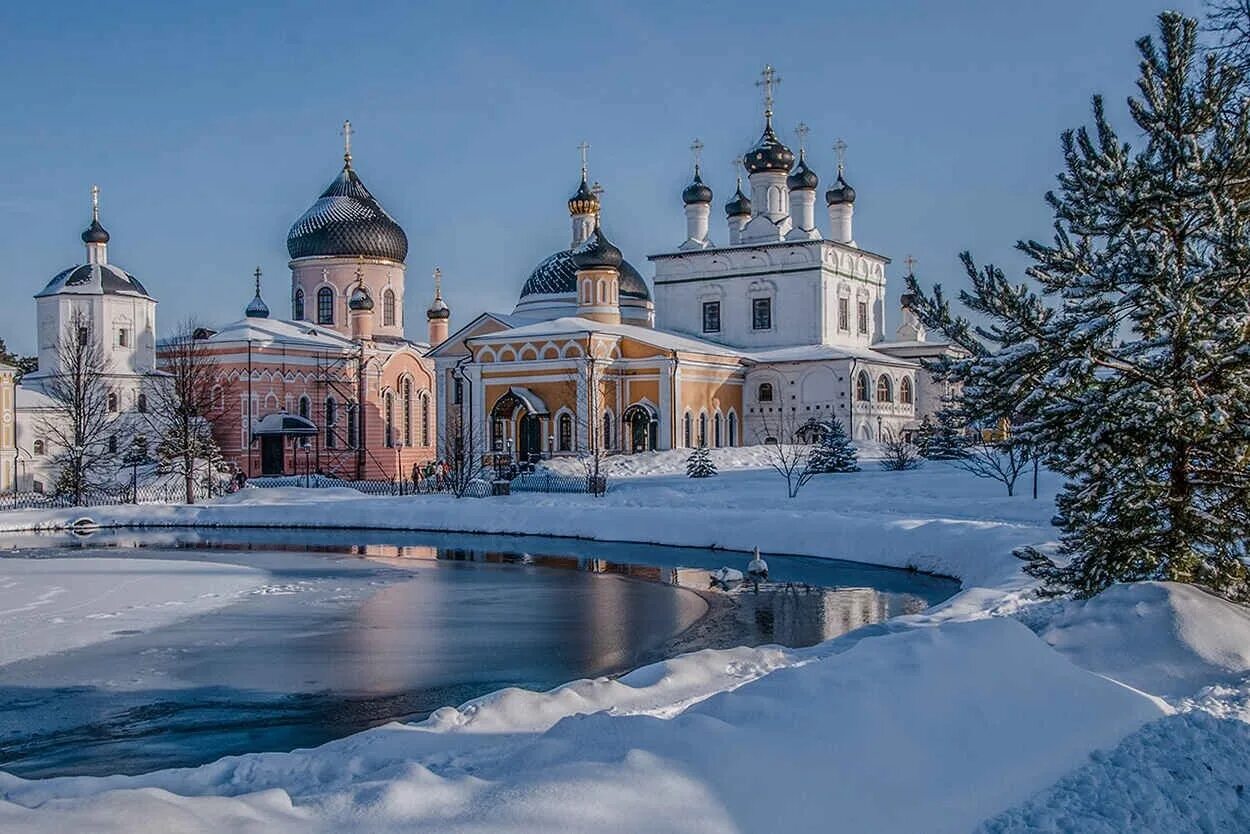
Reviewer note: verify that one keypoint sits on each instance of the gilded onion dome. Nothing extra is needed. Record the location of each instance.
(584, 200)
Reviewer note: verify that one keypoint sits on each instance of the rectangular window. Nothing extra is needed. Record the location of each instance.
(711, 316)
(457, 392)
(863, 317)
(762, 314)
(122, 337)
(844, 314)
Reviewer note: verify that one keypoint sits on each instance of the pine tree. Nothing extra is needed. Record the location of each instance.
(834, 452)
(946, 440)
(699, 464)
(1128, 370)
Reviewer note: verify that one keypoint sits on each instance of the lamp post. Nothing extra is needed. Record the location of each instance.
(551, 446)
(879, 437)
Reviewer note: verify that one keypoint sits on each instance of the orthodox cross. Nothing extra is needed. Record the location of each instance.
(737, 166)
(696, 148)
(257, 275)
(360, 272)
(801, 130)
(438, 283)
(768, 80)
(911, 264)
(347, 141)
(839, 147)
(598, 191)
(584, 147)
(95, 202)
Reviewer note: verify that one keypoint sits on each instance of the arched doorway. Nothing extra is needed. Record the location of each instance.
(518, 415)
(643, 424)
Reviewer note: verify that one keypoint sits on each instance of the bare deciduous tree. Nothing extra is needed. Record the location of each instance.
(1229, 21)
(463, 452)
(1001, 459)
(179, 407)
(899, 455)
(593, 380)
(79, 421)
(786, 454)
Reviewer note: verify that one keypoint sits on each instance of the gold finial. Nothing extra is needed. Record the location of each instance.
(257, 275)
(769, 79)
(347, 141)
(801, 130)
(911, 264)
(839, 148)
(597, 190)
(95, 203)
(584, 147)
(438, 283)
(696, 148)
(360, 272)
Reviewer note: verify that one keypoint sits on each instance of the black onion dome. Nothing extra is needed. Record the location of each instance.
(95, 233)
(739, 205)
(347, 221)
(840, 193)
(584, 200)
(697, 192)
(557, 275)
(438, 310)
(257, 309)
(769, 154)
(94, 279)
(597, 252)
(360, 300)
(802, 177)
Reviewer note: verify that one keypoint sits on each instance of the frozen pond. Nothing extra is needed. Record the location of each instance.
(344, 630)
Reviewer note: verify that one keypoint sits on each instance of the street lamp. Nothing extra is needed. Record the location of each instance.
(879, 437)
(551, 446)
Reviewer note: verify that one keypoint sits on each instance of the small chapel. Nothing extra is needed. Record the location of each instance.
(763, 338)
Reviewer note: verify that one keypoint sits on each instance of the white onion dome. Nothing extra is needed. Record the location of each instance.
(697, 193)
(740, 205)
(584, 200)
(840, 193)
(597, 252)
(360, 300)
(802, 178)
(769, 153)
(346, 221)
(438, 309)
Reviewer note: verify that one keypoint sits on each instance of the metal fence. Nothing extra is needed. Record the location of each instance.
(542, 480)
(171, 493)
(421, 486)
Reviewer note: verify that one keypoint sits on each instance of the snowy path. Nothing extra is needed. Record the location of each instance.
(53, 605)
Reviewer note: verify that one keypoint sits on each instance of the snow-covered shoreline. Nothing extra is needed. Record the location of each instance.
(963, 712)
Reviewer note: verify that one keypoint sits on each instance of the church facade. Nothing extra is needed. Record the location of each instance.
(764, 338)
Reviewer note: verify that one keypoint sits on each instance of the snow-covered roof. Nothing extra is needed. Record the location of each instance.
(816, 353)
(94, 279)
(272, 331)
(28, 395)
(572, 325)
(508, 321)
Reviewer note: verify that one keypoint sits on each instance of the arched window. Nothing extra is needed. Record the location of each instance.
(389, 405)
(353, 426)
(406, 405)
(305, 406)
(332, 417)
(425, 419)
(716, 430)
(112, 403)
(141, 404)
(566, 433)
(606, 440)
(863, 387)
(885, 389)
(733, 429)
(702, 429)
(685, 430)
(297, 306)
(388, 308)
(765, 392)
(904, 391)
(325, 306)
(39, 447)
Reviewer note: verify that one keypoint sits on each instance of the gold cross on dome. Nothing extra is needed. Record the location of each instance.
(911, 264)
(95, 202)
(347, 132)
(801, 130)
(438, 281)
(257, 275)
(696, 147)
(839, 148)
(769, 79)
(584, 147)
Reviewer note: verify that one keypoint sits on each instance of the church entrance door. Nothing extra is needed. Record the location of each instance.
(642, 427)
(529, 440)
(271, 454)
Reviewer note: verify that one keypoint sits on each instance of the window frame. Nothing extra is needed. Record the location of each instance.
(325, 305)
(711, 309)
(762, 304)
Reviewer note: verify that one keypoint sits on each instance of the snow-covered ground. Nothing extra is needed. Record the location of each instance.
(52, 605)
(1062, 716)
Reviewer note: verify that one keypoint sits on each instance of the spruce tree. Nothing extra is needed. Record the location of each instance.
(699, 464)
(1128, 370)
(834, 452)
(946, 441)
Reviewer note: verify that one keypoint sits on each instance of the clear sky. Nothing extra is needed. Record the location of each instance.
(211, 126)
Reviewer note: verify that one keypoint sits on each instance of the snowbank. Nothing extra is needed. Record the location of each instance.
(54, 605)
(839, 733)
(1160, 637)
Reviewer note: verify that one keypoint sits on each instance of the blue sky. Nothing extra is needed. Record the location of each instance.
(211, 126)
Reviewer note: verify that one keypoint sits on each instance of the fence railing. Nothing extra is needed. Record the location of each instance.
(542, 480)
(421, 486)
(109, 496)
